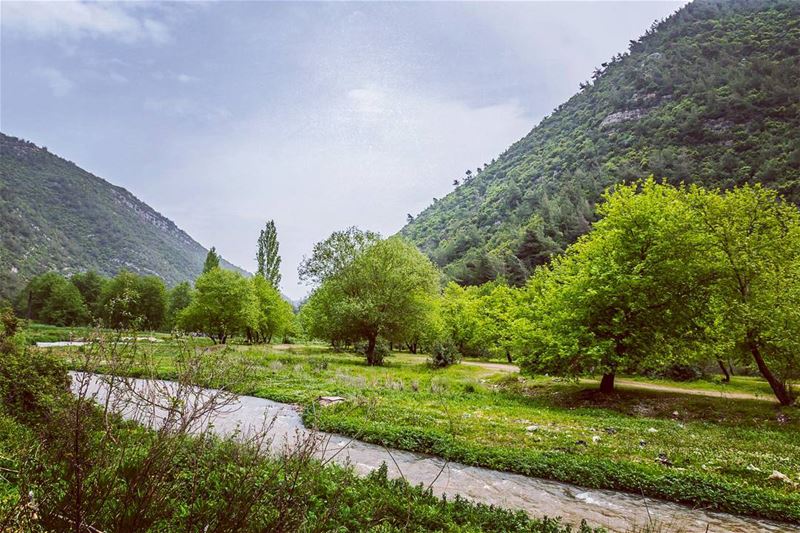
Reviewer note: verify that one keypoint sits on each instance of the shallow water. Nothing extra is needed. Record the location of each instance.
(617, 511)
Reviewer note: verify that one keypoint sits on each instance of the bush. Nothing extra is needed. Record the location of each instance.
(31, 381)
(444, 354)
(678, 372)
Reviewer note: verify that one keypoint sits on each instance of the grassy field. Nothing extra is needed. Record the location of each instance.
(706, 451)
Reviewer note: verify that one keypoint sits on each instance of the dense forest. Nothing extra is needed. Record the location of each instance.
(56, 216)
(707, 96)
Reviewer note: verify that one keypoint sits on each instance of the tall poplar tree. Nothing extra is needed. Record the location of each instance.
(269, 262)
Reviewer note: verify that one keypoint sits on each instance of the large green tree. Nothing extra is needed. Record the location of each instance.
(334, 253)
(90, 284)
(381, 292)
(631, 290)
(130, 301)
(267, 258)
(754, 252)
(51, 299)
(179, 298)
(223, 305)
(274, 315)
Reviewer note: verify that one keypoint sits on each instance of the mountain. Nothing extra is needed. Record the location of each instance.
(710, 95)
(56, 216)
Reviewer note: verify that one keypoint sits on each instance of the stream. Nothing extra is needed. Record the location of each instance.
(617, 511)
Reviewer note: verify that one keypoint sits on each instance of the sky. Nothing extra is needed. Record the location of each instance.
(321, 116)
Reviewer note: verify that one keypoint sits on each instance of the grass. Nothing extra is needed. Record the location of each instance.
(704, 451)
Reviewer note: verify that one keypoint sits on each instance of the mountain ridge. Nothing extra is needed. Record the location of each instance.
(56, 216)
(708, 95)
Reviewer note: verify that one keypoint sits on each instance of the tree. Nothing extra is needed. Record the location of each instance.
(212, 260)
(51, 299)
(459, 313)
(129, 301)
(381, 292)
(267, 258)
(178, 299)
(754, 251)
(274, 315)
(334, 253)
(90, 284)
(119, 302)
(628, 292)
(223, 305)
(152, 301)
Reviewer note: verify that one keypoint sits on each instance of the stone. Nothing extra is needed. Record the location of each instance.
(325, 401)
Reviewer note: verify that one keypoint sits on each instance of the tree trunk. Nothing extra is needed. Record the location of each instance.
(412, 347)
(780, 390)
(372, 360)
(607, 383)
(727, 374)
(508, 356)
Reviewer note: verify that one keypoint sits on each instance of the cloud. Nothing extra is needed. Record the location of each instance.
(59, 84)
(186, 108)
(74, 20)
(366, 157)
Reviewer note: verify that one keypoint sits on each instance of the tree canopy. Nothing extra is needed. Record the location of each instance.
(383, 291)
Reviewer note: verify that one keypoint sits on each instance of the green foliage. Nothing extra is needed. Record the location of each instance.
(629, 291)
(383, 291)
(332, 255)
(667, 276)
(90, 284)
(129, 301)
(707, 96)
(754, 251)
(274, 315)
(212, 261)
(223, 305)
(267, 258)
(31, 382)
(179, 299)
(52, 299)
(444, 354)
(56, 216)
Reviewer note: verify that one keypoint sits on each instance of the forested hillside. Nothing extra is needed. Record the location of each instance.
(56, 216)
(709, 95)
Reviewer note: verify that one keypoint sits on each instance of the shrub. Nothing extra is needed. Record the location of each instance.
(444, 354)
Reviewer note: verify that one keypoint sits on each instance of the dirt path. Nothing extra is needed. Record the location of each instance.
(629, 384)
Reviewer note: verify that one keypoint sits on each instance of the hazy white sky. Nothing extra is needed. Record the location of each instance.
(318, 115)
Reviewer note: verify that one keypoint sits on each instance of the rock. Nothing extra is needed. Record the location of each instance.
(595, 439)
(580, 442)
(780, 476)
(532, 428)
(623, 116)
(663, 459)
(611, 431)
(652, 430)
(642, 443)
(325, 401)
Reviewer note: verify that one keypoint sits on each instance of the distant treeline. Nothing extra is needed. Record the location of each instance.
(221, 304)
